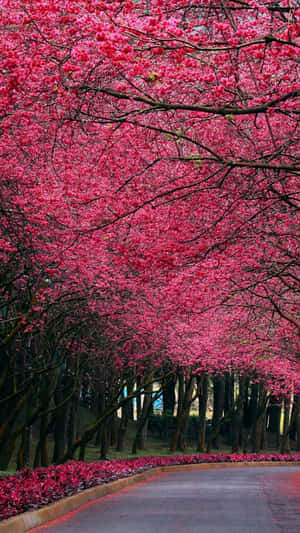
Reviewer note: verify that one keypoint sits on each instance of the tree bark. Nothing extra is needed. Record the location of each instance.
(179, 437)
(259, 417)
(139, 442)
(169, 397)
(229, 404)
(60, 418)
(203, 397)
(237, 417)
(273, 419)
(298, 431)
(72, 427)
(218, 408)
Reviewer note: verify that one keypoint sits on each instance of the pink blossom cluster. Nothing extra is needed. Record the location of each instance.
(31, 489)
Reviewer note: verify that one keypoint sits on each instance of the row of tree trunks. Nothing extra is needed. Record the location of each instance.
(240, 406)
(243, 416)
(189, 389)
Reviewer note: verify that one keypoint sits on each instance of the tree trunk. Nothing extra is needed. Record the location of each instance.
(229, 405)
(23, 456)
(182, 444)
(259, 417)
(113, 426)
(218, 408)
(126, 411)
(82, 448)
(139, 442)
(181, 383)
(237, 417)
(7, 449)
(60, 419)
(298, 432)
(8, 434)
(203, 397)
(293, 421)
(72, 427)
(246, 422)
(287, 423)
(169, 397)
(179, 437)
(182, 389)
(264, 444)
(273, 419)
(104, 441)
(101, 410)
(91, 430)
(41, 452)
(138, 399)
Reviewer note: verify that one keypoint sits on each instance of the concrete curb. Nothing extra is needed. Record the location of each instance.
(31, 519)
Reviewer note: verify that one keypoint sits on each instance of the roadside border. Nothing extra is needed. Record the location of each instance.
(31, 519)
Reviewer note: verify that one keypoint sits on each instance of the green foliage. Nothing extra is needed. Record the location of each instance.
(153, 76)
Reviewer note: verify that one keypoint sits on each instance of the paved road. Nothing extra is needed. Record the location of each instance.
(239, 500)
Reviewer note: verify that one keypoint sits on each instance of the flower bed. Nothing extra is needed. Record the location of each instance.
(31, 489)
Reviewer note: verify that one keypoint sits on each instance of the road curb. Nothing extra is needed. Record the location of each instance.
(31, 519)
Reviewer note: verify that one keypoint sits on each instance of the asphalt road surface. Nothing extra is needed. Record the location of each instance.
(237, 500)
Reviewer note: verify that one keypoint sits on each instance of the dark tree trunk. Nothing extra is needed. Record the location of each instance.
(285, 440)
(82, 451)
(273, 419)
(23, 456)
(181, 386)
(264, 443)
(41, 453)
(182, 444)
(72, 426)
(246, 423)
(138, 399)
(183, 391)
(229, 405)
(251, 413)
(104, 441)
(9, 434)
(113, 427)
(293, 422)
(7, 449)
(179, 438)
(60, 419)
(169, 396)
(60, 424)
(139, 442)
(203, 397)
(298, 432)
(259, 417)
(237, 417)
(218, 408)
(123, 424)
(101, 410)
